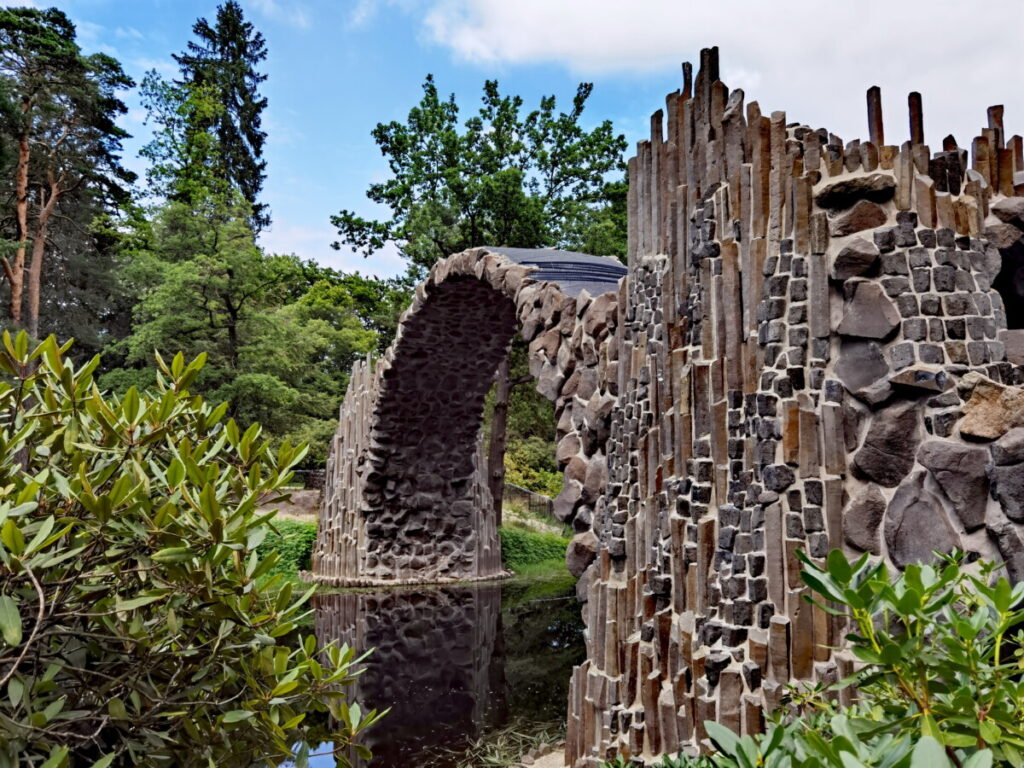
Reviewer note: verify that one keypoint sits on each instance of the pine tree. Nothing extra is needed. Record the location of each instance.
(67, 167)
(223, 60)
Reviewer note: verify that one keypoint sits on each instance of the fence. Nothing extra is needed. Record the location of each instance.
(534, 503)
(309, 479)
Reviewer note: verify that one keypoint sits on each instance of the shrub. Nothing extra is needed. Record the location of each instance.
(522, 548)
(135, 627)
(293, 541)
(531, 464)
(940, 647)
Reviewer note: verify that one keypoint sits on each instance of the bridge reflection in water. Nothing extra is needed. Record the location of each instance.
(440, 662)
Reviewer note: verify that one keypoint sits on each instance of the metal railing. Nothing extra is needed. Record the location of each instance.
(533, 502)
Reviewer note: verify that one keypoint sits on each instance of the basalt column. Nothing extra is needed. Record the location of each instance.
(813, 354)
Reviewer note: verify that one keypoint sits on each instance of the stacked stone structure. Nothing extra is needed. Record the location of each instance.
(406, 498)
(811, 351)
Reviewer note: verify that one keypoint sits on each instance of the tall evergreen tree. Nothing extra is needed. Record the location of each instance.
(67, 166)
(223, 60)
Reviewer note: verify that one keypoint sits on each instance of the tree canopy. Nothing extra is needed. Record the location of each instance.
(59, 119)
(501, 177)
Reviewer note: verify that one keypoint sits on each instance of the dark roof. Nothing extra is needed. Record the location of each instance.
(572, 271)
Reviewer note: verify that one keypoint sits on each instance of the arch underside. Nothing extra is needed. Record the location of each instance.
(406, 498)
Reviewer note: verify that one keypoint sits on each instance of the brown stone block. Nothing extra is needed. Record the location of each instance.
(887, 154)
(822, 633)
(775, 563)
(779, 649)
(904, 178)
(925, 192)
(834, 502)
(819, 297)
(944, 213)
(803, 634)
(791, 432)
(753, 716)
(832, 439)
(810, 461)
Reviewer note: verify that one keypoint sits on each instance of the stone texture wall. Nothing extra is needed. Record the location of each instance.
(812, 356)
(811, 350)
(406, 498)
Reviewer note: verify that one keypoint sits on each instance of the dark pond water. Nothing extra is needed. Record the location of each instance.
(456, 663)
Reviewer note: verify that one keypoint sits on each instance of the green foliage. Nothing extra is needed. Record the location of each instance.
(520, 548)
(499, 178)
(62, 172)
(293, 541)
(940, 646)
(221, 65)
(832, 742)
(137, 623)
(280, 335)
(531, 464)
(182, 156)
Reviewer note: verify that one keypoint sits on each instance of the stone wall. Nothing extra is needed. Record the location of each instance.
(810, 351)
(812, 356)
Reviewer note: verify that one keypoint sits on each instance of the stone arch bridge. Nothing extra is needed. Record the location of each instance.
(817, 345)
(406, 495)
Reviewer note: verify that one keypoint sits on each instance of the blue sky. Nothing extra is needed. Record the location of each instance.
(337, 67)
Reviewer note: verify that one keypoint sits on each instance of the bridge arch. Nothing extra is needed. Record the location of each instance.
(406, 494)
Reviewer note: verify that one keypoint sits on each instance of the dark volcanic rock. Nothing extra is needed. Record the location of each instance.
(858, 257)
(1010, 210)
(960, 471)
(861, 364)
(915, 525)
(777, 477)
(1008, 488)
(581, 553)
(878, 188)
(869, 314)
(862, 517)
(889, 446)
(1009, 449)
(863, 215)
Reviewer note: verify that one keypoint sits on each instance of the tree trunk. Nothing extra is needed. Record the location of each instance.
(496, 448)
(16, 274)
(35, 269)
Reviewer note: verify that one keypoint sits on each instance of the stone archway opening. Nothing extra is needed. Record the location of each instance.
(407, 498)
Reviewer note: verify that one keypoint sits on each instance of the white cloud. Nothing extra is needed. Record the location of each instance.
(165, 67)
(290, 13)
(315, 243)
(815, 61)
(130, 33)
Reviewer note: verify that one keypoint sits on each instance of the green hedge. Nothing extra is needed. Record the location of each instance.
(520, 547)
(294, 541)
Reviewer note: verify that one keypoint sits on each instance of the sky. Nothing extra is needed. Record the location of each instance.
(338, 67)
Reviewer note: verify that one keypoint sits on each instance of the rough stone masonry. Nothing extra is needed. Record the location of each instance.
(818, 344)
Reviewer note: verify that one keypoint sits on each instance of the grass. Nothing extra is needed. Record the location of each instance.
(522, 548)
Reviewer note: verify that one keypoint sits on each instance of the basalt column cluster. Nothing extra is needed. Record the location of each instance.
(813, 352)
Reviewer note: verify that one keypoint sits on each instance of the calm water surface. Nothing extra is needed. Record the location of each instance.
(455, 663)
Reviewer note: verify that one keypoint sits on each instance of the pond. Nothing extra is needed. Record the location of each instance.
(456, 663)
